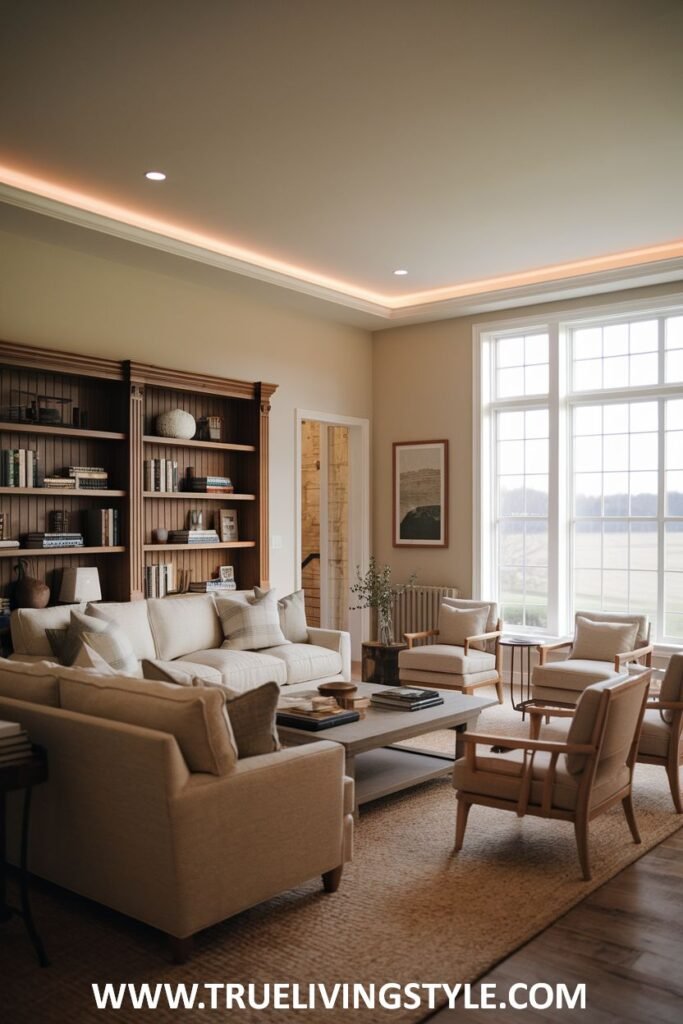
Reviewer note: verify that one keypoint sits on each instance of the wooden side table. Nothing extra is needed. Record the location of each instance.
(16, 777)
(380, 663)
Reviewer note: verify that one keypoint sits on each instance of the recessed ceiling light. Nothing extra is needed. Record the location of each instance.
(155, 176)
(400, 273)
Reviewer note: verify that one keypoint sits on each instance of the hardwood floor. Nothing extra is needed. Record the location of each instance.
(624, 942)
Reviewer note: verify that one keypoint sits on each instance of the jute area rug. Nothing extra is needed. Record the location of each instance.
(408, 910)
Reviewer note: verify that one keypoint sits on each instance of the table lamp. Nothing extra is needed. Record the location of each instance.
(81, 583)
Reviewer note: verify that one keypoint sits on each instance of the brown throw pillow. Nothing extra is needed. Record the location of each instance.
(252, 717)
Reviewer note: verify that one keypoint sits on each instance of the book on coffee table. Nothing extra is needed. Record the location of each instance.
(313, 722)
(403, 699)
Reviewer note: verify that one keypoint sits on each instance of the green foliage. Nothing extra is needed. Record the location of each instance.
(374, 589)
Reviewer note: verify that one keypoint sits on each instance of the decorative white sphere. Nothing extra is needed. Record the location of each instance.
(176, 423)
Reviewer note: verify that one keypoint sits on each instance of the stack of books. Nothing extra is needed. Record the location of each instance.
(63, 482)
(103, 527)
(18, 467)
(161, 475)
(14, 744)
(54, 540)
(209, 484)
(159, 579)
(315, 719)
(399, 698)
(212, 586)
(193, 537)
(89, 477)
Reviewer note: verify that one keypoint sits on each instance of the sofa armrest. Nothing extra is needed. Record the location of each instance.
(274, 822)
(334, 640)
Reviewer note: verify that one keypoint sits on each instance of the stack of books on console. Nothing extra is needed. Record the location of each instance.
(401, 699)
(193, 537)
(212, 586)
(15, 747)
(54, 540)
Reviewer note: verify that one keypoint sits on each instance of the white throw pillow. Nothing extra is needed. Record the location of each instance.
(251, 625)
(88, 658)
(602, 641)
(292, 611)
(456, 624)
(114, 648)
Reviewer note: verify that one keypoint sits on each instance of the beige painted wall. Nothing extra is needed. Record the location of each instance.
(63, 298)
(422, 390)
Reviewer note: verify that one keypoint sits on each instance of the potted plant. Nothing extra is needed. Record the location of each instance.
(374, 589)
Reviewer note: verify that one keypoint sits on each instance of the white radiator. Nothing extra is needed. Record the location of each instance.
(417, 608)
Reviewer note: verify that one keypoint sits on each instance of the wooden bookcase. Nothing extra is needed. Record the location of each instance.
(120, 401)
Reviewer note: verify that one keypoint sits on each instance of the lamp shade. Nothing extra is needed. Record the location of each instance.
(81, 583)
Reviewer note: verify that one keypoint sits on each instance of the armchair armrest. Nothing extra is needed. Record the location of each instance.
(640, 652)
(472, 739)
(495, 634)
(544, 649)
(334, 640)
(410, 638)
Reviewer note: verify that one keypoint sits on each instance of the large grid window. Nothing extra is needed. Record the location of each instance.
(581, 475)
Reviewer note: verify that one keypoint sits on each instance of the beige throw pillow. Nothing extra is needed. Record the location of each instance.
(252, 718)
(602, 641)
(292, 612)
(66, 644)
(456, 624)
(196, 717)
(88, 658)
(251, 624)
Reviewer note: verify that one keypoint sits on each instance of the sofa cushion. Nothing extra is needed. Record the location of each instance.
(572, 674)
(195, 716)
(252, 718)
(183, 624)
(292, 613)
(133, 619)
(602, 641)
(181, 672)
(35, 682)
(83, 629)
(304, 662)
(251, 625)
(28, 627)
(446, 658)
(456, 624)
(242, 670)
(656, 735)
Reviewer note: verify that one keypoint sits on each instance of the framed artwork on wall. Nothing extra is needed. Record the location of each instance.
(420, 506)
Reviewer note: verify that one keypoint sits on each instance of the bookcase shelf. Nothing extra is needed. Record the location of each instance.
(199, 496)
(58, 552)
(121, 400)
(218, 446)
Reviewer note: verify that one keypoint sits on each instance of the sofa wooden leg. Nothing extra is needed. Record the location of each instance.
(181, 949)
(331, 879)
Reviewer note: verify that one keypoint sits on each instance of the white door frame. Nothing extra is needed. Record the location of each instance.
(359, 506)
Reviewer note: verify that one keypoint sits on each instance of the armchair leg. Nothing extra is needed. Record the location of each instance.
(581, 833)
(499, 690)
(675, 785)
(181, 949)
(627, 804)
(331, 879)
(461, 822)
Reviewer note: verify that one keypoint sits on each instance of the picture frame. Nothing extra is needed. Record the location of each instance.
(420, 494)
(227, 525)
(226, 573)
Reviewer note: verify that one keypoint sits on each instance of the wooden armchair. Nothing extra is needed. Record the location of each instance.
(594, 655)
(575, 780)
(474, 661)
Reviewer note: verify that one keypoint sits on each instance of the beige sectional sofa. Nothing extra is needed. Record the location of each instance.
(186, 634)
(127, 819)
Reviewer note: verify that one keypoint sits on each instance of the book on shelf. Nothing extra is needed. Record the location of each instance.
(63, 482)
(193, 537)
(103, 527)
(18, 467)
(209, 484)
(88, 477)
(212, 586)
(54, 540)
(161, 475)
(9, 543)
(160, 580)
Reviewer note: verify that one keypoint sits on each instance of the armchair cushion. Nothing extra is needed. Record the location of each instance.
(672, 684)
(304, 662)
(572, 675)
(456, 624)
(583, 721)
(655, 736)
(641, 621)
(490, 607)
(446, 658)
(602, 641)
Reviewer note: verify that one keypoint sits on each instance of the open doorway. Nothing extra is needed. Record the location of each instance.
(332, 517)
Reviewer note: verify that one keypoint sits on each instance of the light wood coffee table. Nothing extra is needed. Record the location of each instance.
(374, 757)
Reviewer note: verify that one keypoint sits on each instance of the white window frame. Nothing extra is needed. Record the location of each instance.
(560, 402)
